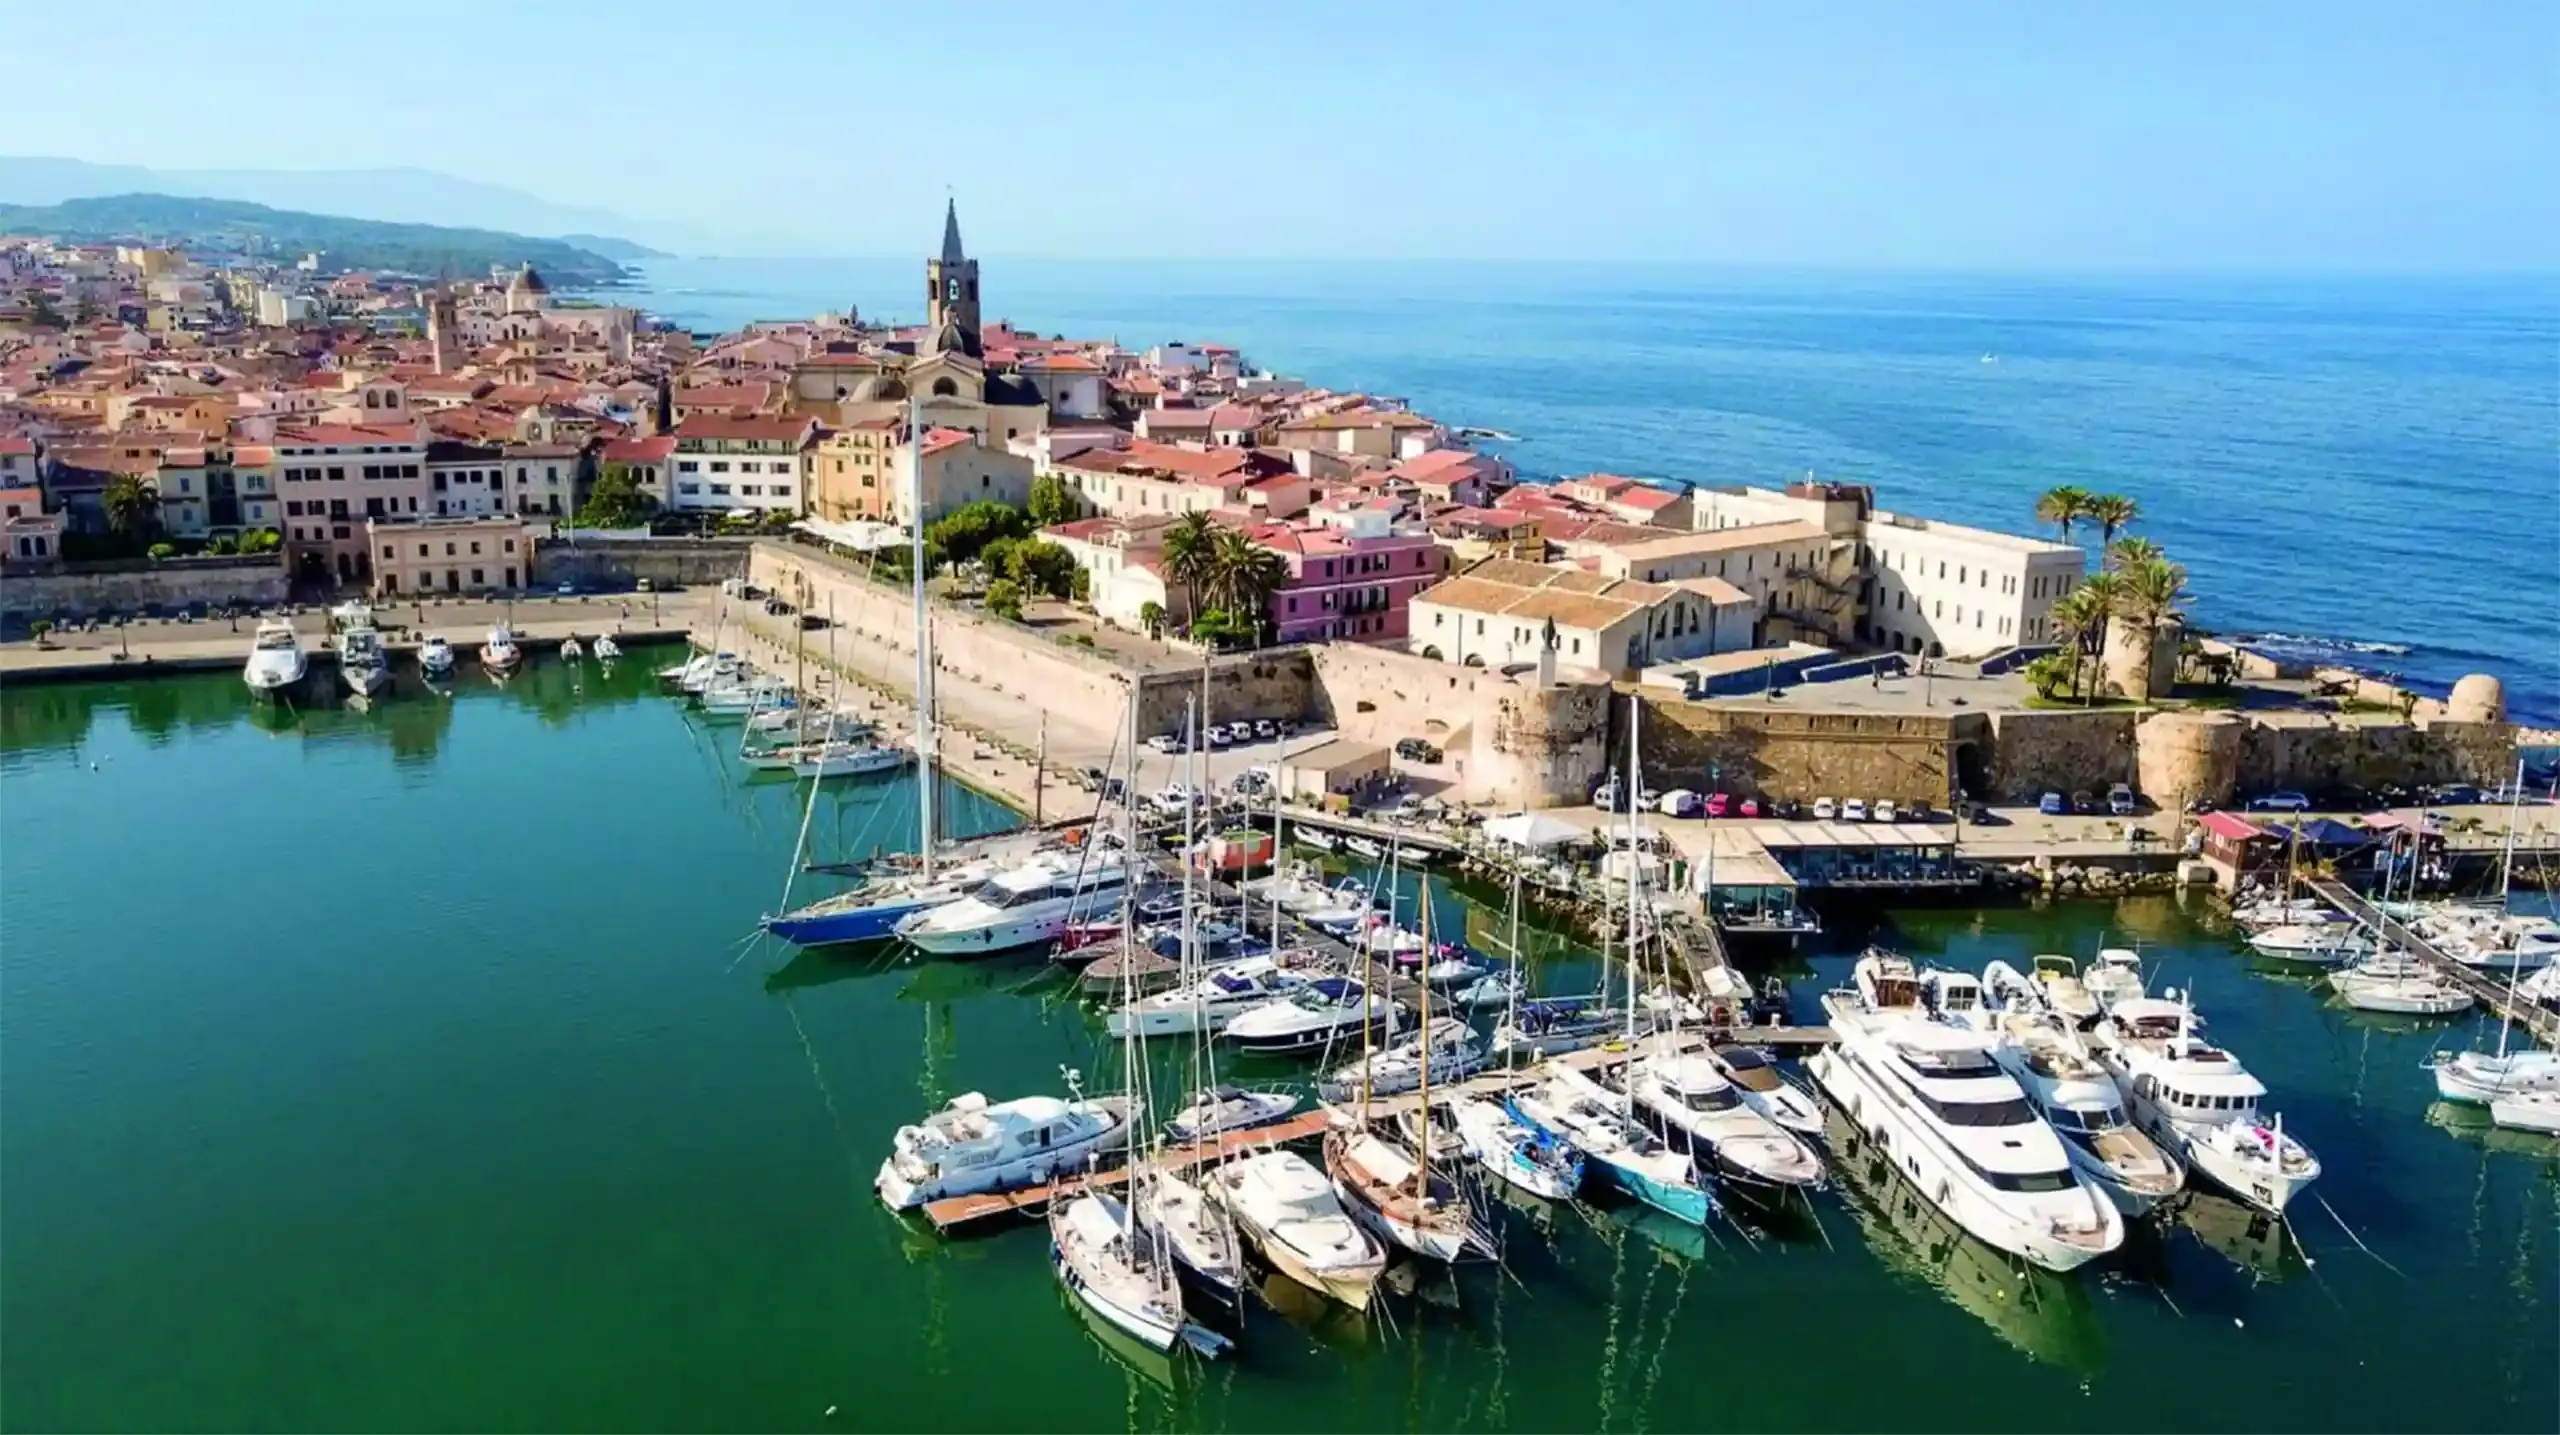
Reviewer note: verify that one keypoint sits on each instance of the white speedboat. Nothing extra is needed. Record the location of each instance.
(1222, 1109)
(2528, 1111)
(2479, 1078)
(1764, 1089)
(1025, 905)
(1567, 1106)
(1957, 1124)
(1516, 1151)
(2200, 1103)
(701, 671)
(607, 650)
(276, 662)
(571, 650)
(498, 652)
(1128, 1282)
(1399, 1199)
(2310, 944)
(362, 663)
(2114, 975)
(435, 657)
(1208, 1004)
(1288, 1210)
(1688, 1101)
(2058, 986)
(973, 1146)
(2046, 1055)
(1455, 1055)
(2402, 986)
(846, 759)
(1325, 1010)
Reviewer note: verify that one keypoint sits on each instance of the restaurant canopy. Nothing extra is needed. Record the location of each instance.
(2324, 832)
(1532, 830)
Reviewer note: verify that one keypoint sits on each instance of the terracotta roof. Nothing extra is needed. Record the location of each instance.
(342, 435)
(766, 427)
(1651, 544)
(936, 440)
(639, 450)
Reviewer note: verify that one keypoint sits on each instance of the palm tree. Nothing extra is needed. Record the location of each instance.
(1188, 546)
(2112, 512)
(2152, 593)
(1243, 575)
(2062, 505)
(132, 504)
(2081, 616)
(1150, 616)
(2126, 554)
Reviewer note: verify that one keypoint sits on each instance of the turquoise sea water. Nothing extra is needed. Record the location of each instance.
(2346, 460)
(410, 1070)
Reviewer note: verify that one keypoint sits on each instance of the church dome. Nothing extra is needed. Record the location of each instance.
(950, 337)
(879, 388)
(527, 282)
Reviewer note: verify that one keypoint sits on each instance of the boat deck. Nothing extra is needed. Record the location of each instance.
(959, 1211)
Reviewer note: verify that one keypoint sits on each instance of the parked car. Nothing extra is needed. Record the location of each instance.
(2285, 801)
(2052, 804)
(1166, 742)
(568, 588)
(1824, 809)
(1266, 730)
(1606, 796)
(2456, 792)
(1218, 737)
(642, 586)
(1854, 810)
(2083, 801)
(1719, 803)
(2120, 801)
(1919, 812)
(1885, 810)
(1783, 808)
(1679, 802)
(1414, 749)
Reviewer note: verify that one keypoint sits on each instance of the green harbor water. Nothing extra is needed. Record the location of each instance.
(416, 1069)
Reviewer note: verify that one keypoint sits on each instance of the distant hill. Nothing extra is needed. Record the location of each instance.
(400, 195)
(619, 250)
(286, 235)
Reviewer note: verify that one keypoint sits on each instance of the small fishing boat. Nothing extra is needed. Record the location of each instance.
(362, 663)
(1369, 847)
(499, 652)
(571, 650)
(1287, 1209)
(607, 650)
(276, 661)
(1316, 838)
(435, 656)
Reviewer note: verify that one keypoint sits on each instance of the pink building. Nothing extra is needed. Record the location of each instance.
(1353, 581)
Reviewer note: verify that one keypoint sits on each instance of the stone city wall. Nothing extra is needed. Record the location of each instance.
(2033, 753)
(1725, 747)
(82, 589)
(1503, 742)
(2313, 755)
(686, 562)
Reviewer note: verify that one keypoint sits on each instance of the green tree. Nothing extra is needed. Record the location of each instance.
(997, 557)
(1151, 617)
(1004, 599)
(2050, 674)
(1043, 567)
(2079, 617)
(2126, 554)
(1242, 577)
(2112, 512)
(966, 530)
(1052, 502)
(2062, 506)
(163, 550)
(2153, 600)
(1188, 548)
(261, 540)
(1212, 627)
(617, 500)
(221, 545)
(133, 506)
(1080, 587)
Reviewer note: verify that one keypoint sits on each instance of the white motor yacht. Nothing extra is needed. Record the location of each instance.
(2114, 975)
(2046, 1054)
(1292, 1214)
(1766, 1090)
(276, 662)
(498, 652)
(1222, 1109)
(1209, 1003)
(1688, 1100)
(1119, 1274)
(2200, 1103)
(1957, 1124)
(973, 1146)
(1025, 905)
(2479, 1078)
(1325, 1010)
(435, 656)
(1397, 1068)
(362, 663)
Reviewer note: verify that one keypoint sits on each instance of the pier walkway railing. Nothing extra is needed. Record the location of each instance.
(2497, 996)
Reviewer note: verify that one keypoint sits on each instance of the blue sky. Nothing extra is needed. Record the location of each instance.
(1974, 134)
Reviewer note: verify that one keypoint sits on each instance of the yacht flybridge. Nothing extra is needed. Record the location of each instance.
(1956, 1124)
(2042, 1049)
(2200, 1102)
(973, 1146)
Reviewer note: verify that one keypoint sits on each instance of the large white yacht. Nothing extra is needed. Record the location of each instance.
(1325, 1010)
(974, 1146)
(1208, 1004)
(1956, 1124)
(1687, 1098)
(2200, 1102)
(1030, 903)
(276, 662)
(2042, 1049)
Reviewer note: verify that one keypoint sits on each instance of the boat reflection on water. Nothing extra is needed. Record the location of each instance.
(2047, 1316)
(1327, 1321)
(2465, 1122)
(1156, 1367)
(1679, 1241)
(967, 981)
(2246, 1236)
(817, 966)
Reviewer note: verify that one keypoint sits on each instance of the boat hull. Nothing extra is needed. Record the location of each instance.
(1685, 1201)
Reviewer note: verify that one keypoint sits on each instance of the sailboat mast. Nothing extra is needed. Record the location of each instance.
(924, 637)
(1422, 1186)
(2507, 859)
(1189, 956)
(1129, 1048)
(1519, 976)
(1635, 837)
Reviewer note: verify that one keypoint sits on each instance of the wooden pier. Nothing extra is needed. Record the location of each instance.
(958, 1211)
(2540, 1022)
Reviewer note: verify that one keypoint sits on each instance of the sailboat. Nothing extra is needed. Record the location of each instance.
(2480, 1078)
(1514, 1151)
(1390, 1187)
(872, 912)
(1122, 1270)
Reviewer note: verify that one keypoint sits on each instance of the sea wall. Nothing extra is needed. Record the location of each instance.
(1276, 684)
(1776, 752)
(686, 562)
(1504, 741)
(2312, 753)
(2033, 753)
(82, 588)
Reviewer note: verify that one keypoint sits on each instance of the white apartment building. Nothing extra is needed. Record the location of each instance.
(725, 462)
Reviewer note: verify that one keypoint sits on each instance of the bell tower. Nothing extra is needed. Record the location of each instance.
(951, 284)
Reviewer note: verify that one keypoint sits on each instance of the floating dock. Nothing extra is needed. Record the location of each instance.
(2541, 1022)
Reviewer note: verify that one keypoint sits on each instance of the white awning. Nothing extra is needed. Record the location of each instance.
(1533, 830)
